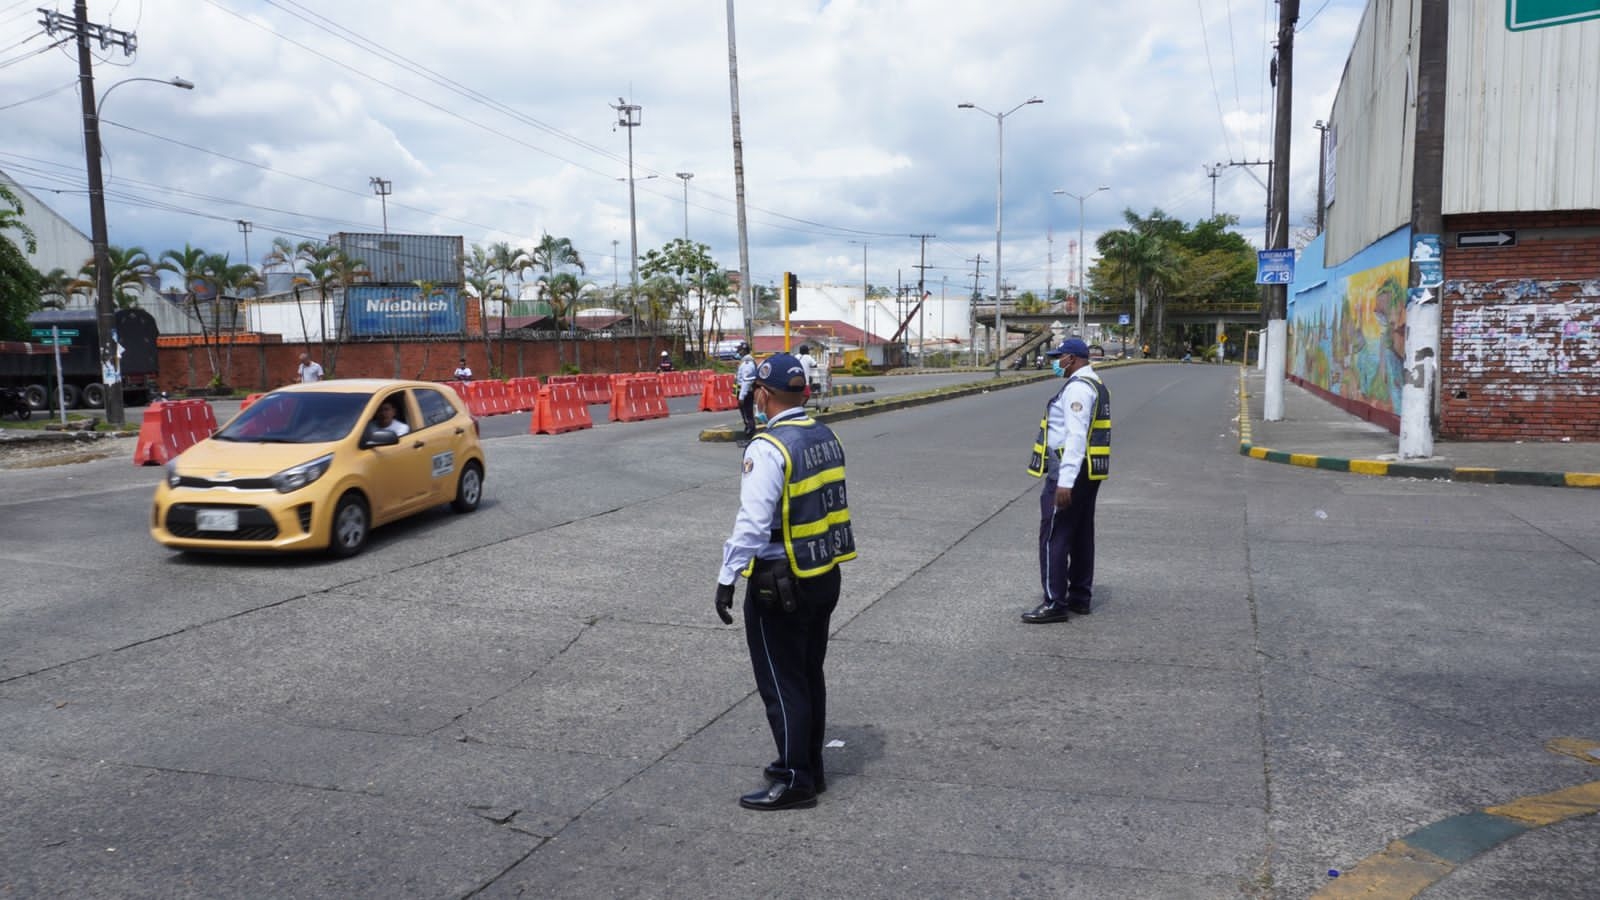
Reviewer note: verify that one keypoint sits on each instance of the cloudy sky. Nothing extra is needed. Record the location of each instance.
(493, 120)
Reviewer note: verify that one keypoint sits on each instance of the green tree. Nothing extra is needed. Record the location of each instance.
(480, 272)
(693, 267)
(191, 265)
(553, 257)
(323, 266)
(58, 288)
(20, 282)
(130, 267)
(563, 290)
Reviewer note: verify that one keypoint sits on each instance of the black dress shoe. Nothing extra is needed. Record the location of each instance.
(778, 796)
(1044, 613)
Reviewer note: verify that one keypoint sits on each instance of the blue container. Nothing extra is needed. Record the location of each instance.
(375, 310)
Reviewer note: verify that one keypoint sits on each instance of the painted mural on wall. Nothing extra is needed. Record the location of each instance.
(1347, 323)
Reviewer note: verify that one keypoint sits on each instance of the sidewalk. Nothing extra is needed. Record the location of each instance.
(1319, 435)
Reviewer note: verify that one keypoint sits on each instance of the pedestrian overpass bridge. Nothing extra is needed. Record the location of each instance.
(1037, 324)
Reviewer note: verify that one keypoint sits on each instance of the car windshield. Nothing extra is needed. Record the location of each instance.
(294, 418)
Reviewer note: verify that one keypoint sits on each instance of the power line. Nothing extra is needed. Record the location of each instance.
(1313, 17)
(1222, 121)
(49, 93)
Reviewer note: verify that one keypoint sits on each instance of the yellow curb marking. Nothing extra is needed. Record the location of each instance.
(1308, 460)
(1556, 806)
(1369, 467)
(1586, 750)
(1258, 452)
(1583, 479)
(1399, 871)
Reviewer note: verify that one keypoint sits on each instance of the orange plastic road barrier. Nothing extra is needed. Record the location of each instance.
(249, 399)
(497, 395)
(171, 427)
(524, 393)
(717, 394)
(595, 388)
(560, 408)
(637, 398)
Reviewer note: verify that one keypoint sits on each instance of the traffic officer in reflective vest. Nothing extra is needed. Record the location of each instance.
(744, 380)
(791, 533)
(1073, 455)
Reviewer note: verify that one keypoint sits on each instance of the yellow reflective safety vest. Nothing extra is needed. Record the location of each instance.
(814, 518)
(1097, 454)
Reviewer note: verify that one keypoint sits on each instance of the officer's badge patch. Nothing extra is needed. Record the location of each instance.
(1077, 407)
(749, 465)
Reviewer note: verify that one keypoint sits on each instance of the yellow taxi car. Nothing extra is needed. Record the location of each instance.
(318, 466)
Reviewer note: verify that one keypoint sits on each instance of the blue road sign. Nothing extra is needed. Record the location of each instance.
(1275, 266)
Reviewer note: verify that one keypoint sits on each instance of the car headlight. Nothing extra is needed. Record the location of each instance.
(172, 473)
(293, 479)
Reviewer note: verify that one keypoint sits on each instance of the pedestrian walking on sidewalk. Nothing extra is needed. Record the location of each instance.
(792, 532)
(1073, 455)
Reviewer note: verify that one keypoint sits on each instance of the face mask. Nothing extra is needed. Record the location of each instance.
(761, 417)
(1055, 366)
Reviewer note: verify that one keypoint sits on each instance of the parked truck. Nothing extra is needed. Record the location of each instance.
(31, 367)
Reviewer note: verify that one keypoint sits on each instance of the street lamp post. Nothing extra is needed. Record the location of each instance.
(629, 117)
(999, 204)
(105, 303)
(1082, 330)
(686, 176)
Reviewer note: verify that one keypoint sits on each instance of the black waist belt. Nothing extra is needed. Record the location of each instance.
(770, 565)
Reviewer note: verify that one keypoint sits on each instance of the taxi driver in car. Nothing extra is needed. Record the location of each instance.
(387, 422)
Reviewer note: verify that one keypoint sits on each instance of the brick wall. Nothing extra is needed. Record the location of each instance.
(1520, 330)
(260, 367)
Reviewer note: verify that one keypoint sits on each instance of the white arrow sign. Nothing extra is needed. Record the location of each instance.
(1486, 239)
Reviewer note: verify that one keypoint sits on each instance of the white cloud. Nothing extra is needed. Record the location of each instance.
(848, 112)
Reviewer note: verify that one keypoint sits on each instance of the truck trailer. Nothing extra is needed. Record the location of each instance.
(31, 367)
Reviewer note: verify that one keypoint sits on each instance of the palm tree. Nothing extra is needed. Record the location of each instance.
(563, 290)
(550, 257)
(479, 269)
(346, 272)
(425, 289)
(130, 269)
(59, 289)
(508, 261)
(191, 264)
(235, 280)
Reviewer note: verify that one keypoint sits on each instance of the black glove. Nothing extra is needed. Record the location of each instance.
(725, 603)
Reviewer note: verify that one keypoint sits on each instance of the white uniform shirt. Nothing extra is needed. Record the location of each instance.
(746, 375)
(1067, 424)
(760, 502)
(399, 428)
(310, 372)
(463, 373)
(809, 363)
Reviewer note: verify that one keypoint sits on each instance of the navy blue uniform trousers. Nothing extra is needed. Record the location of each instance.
(787, 651)
(1066, 541)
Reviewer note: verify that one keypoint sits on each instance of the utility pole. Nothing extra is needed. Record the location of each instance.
(972, 313)
(1212, 171)
(922, 293)
(1419, 390)
(1049, 263)
(105, 304)
(747, 299)
(630, 116)
(1278, 294)
(1322, 171)
(383, 188)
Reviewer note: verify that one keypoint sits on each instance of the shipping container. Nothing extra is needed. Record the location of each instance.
(401, 311)
(404, 258)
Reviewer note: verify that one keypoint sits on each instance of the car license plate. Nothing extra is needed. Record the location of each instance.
(216, 520)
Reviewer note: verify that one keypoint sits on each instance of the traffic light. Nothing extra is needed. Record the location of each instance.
(791, 291)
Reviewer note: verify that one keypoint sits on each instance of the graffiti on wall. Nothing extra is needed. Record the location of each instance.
(1536, 343)
(1352, 342)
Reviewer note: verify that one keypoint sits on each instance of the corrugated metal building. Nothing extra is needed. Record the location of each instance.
(1519, 351)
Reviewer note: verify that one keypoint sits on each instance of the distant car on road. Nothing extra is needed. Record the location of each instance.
(306, 467)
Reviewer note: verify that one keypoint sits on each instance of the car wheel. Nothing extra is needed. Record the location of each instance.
(351, 525)
(469, 490)
(94, 395)
(69, 396)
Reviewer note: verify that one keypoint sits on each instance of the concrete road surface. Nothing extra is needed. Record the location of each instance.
(1286, 671)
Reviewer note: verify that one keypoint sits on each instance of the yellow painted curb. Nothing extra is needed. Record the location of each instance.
(1556, 806)
(1400, 870)
(1369, 467)
(1583, 479)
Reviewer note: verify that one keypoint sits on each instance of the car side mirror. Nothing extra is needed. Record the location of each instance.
(379, 437)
